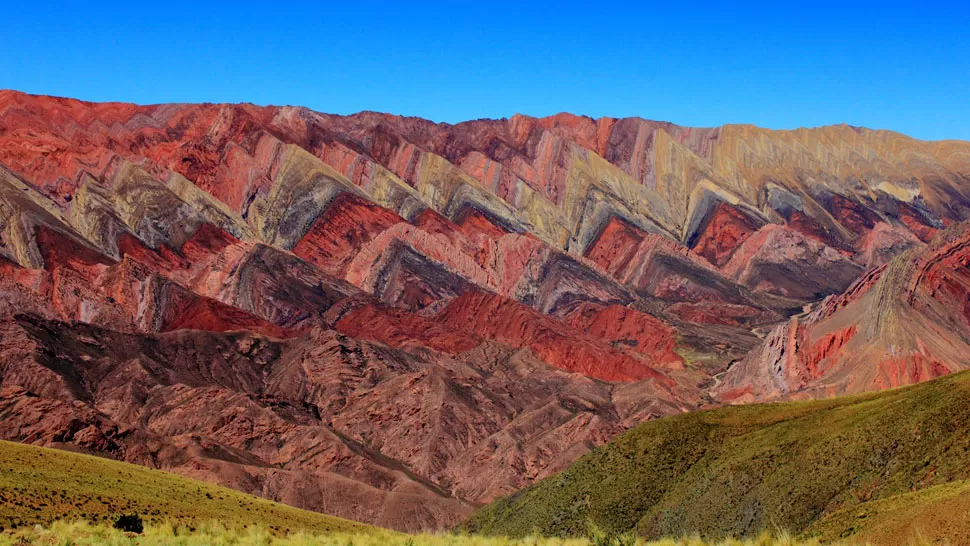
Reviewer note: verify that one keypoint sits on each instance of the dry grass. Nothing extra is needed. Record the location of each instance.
(212, 534)
(39, 486)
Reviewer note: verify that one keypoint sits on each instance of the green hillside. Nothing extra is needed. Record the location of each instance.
(939, 514)
(739, 470)
(39, 486)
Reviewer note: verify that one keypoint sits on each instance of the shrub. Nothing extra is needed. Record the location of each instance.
(130, 523)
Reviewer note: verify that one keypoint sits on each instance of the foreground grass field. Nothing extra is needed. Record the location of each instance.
(843, 468)
(40, 486)
(84, 534)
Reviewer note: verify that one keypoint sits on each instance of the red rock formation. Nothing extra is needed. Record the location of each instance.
(827, 347)
(195, 313)
(615, 247)
(562, 346)
(343, 312)
(883, 241)
(627, 328)
(782, 261)
(810, 227)
(657, 267)
(916, 224)
(338, 235)
(397, 327)
(708, 312)
(901, 323)
(852, 215)
(726, 229)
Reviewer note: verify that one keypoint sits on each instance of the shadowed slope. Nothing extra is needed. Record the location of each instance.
(320, 421)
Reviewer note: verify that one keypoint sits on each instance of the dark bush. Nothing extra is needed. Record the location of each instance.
(130, 523)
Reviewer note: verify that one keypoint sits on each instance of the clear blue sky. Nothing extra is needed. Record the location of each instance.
(880, 65)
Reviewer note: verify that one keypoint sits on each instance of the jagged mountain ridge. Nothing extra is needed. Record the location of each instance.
(903, 322)
(643, 255)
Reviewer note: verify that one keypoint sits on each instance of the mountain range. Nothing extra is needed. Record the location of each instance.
(397, 321)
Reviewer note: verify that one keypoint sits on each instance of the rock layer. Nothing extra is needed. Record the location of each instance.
(901, 323)
(393, 320)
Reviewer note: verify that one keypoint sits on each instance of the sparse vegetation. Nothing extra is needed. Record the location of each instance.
(935, 515)
(39, 486)
(736, 471)
(210, 534)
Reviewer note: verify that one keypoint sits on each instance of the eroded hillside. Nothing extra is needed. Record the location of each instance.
(350, 312)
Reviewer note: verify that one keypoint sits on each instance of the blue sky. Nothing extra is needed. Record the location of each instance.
(904, 67)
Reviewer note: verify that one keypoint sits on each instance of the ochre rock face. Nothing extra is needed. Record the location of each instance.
(393, 320)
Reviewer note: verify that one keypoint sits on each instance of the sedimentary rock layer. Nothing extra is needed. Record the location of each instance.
(343, 312)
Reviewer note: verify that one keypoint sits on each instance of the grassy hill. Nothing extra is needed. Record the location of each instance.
(39, 486)
(938, 514)
(801, 466)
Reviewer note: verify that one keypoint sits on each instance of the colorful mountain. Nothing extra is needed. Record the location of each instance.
(396, 321)
(901, 323)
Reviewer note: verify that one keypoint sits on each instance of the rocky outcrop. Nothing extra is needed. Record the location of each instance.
(780, 260)
(322, 421)
(901, 323)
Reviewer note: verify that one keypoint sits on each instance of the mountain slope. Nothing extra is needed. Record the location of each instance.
(934, 515)
(388, 311)
(400, 440)
(41, 485)
(738, 470)
(901, 323)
